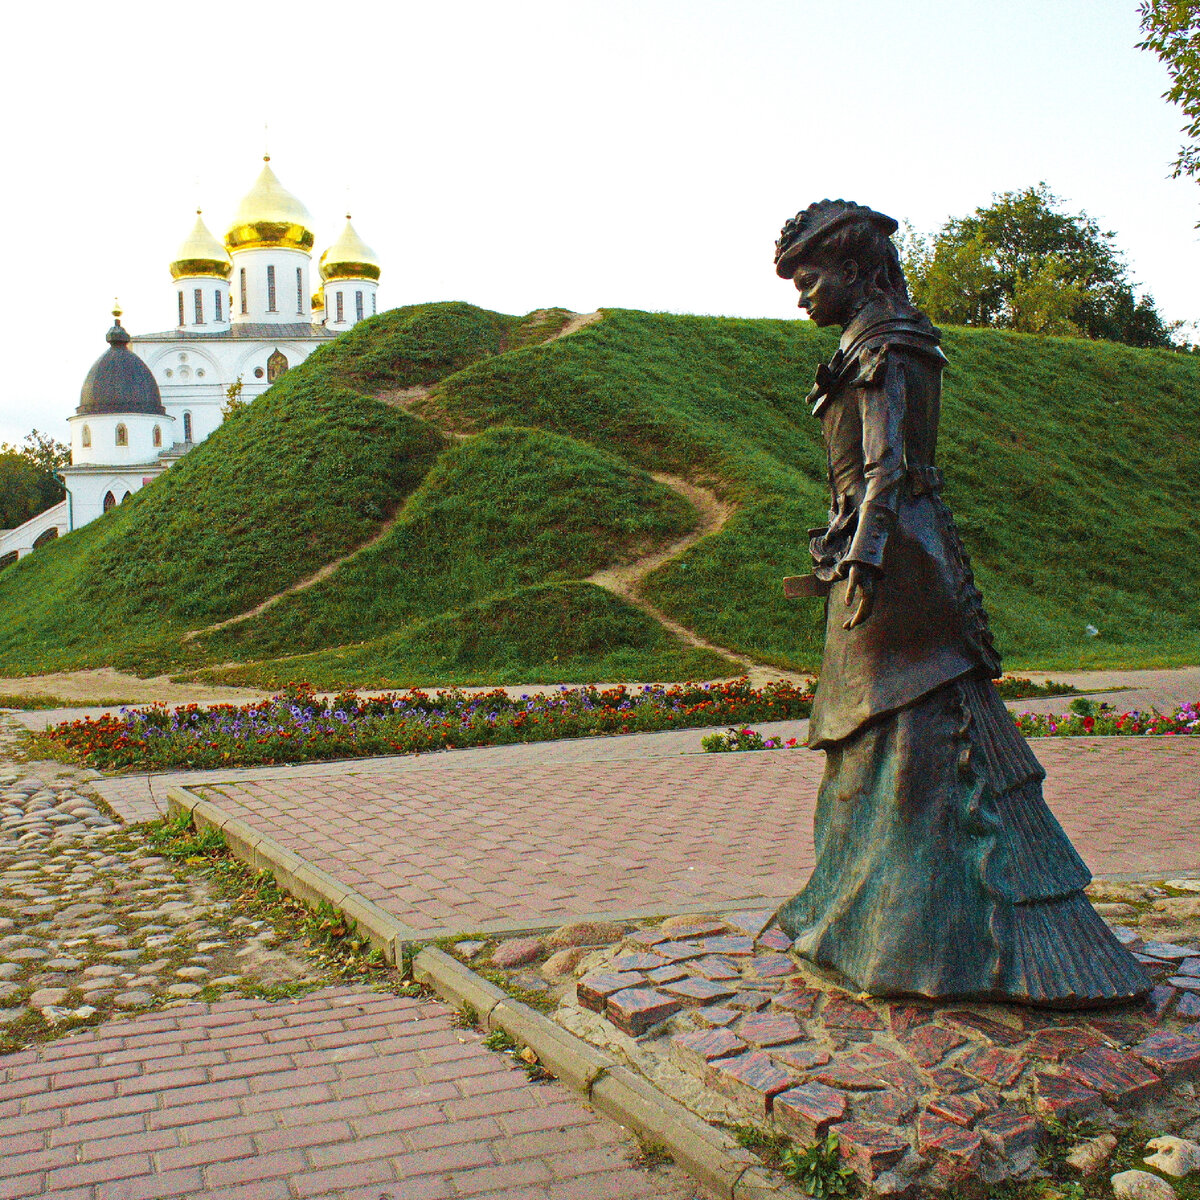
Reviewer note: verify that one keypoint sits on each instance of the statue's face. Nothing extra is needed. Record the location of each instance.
(828, 294)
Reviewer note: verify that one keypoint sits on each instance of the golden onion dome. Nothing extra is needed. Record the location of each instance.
(349, 257)
(269, 215)
(318, 300)
(200, 254)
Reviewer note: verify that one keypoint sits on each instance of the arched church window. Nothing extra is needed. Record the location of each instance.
(372, 304)
(122, 436)
(300, 291)
(358, 306)
(198, 302)
(47, 535)
(7, 560)
(217, 306)
(110, 501)
(271, 288)
(126, 497)
(85, 438)
(277, 364)
(242, 287)
(187, 427)
(181, 308)
(341, 308)
(158, 435)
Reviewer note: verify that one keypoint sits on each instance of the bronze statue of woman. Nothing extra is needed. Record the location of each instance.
(940, 871)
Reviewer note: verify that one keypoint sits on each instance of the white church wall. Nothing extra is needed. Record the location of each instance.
(88, 488)
(343, 300)
(115, 439)
(199, 315)
(290, 300)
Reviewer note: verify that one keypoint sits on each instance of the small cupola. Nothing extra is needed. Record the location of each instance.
(119, 382)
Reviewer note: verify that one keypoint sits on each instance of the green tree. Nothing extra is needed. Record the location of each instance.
(1021, 263)
(29, 477)
(1172, 29)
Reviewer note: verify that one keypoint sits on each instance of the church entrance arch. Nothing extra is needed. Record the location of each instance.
(277, 364)
(47, 535)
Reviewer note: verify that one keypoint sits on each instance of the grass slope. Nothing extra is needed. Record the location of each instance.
(558, 633)
(506, 509)
(1070, 465)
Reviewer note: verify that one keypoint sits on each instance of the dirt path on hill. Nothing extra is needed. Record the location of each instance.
(625, 581)
(103, 685)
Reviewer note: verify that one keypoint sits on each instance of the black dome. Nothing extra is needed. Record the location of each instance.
(119, 382)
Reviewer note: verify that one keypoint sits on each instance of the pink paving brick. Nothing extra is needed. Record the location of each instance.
(869, 1149)
(696, 992)
(477, 807)
(929, 1044)
(1062, 1096)
(1172, 1055)
(274, 1140)
(635, 1010)
(762, 1030)
(694, 1051)
(807, 1111)
(594, 990)
(998, 1067)
(1113, 1073)
(753, 1079)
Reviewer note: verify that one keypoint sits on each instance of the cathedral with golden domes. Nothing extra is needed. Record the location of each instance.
(246, 312)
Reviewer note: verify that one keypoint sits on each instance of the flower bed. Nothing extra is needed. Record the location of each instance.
(1089, 719)
(297, 727)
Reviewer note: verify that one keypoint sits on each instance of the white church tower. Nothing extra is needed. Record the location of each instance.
(350, 273)
(201, 273)
(270, 243)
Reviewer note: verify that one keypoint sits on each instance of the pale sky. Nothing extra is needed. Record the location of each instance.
(638, 153)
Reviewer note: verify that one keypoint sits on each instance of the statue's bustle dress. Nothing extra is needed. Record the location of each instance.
(940, 871)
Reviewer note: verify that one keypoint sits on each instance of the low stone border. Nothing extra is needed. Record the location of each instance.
(710, 1155)
(292, 873)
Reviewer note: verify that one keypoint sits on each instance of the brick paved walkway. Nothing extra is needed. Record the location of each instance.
(462, 847)
(344, 1093)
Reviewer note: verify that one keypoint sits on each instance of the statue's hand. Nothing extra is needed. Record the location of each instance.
(860, 584)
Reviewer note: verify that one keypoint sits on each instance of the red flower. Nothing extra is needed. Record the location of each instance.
(1089, 723)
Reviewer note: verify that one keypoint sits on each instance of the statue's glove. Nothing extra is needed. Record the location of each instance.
(861, 581)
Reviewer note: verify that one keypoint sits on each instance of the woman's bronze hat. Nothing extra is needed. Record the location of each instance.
(806, 229)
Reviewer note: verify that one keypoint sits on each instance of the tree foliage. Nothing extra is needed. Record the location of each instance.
(29, 477)
(1021, 263)
(1172, 29)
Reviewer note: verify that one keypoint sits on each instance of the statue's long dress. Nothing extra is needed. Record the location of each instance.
(940, 871)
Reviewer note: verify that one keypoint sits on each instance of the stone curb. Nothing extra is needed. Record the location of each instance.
(292, 873)
(709, 1155)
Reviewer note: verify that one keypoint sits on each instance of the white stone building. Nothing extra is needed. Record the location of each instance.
(245, 311)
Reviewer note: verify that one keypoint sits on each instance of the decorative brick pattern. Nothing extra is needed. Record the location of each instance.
(843, 1013)
(326, 1095)
(997, 1067)
(1056, 1044)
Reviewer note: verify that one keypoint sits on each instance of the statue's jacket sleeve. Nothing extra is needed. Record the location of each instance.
(878, 402)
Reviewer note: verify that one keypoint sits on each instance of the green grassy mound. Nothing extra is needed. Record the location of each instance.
(302, 476)
(561, 633)
(506, 509)
(1068, 465)
(1070, 468)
